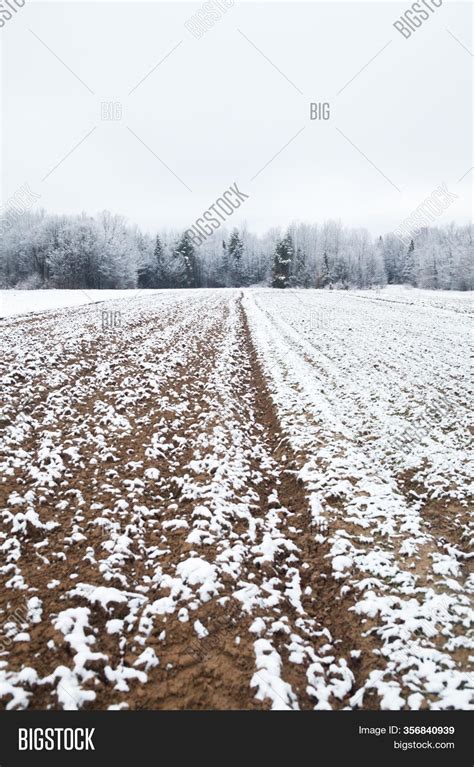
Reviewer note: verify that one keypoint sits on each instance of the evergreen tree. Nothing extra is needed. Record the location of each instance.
(226, 277)
(146, 276)
(235, 253)
(341, 273)
(299, 273)
(434, 267)
(408, 268)
(283, 256)
(159, 264)
(151, 272)
(186, 265)
(393, 259)
(325, 277)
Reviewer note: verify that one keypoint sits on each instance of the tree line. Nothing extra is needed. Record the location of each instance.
(40, 250)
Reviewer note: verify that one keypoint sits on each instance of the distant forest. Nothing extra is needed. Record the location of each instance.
(39, 250)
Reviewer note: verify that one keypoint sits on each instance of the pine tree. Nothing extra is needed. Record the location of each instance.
(299, 273)
(283, 256)
(393, 259)
(379, 272)
(341, 273)
(146, 275)
(159, 265)
(235, 253)
(434, 267)
(186, 265)
(226, 278)
(408, 268)
(326, 273)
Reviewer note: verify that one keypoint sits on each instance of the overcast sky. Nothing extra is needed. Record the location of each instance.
(217, 110)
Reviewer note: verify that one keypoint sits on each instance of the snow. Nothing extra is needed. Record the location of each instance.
(267, 679)
(377, 393)
(341, 563)
(14, 302)
(145, 487)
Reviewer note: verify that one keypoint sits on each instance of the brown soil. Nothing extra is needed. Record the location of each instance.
(214, 673)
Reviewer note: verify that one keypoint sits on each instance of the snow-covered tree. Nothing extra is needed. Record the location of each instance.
(235, 252)
(103, 251)
(408, 267)
(283, 257)
(300, 277)
(186, 271)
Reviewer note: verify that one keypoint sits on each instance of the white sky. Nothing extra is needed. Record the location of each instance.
(216, 111)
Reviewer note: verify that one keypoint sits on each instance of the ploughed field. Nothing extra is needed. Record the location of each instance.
(237, 499)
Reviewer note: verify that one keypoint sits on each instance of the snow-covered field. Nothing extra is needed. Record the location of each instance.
(13, 302)
(24, 301)
(238, 499)
(454, 300)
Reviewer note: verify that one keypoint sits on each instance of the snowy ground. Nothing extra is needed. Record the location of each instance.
(238, 499)
(14, 302)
